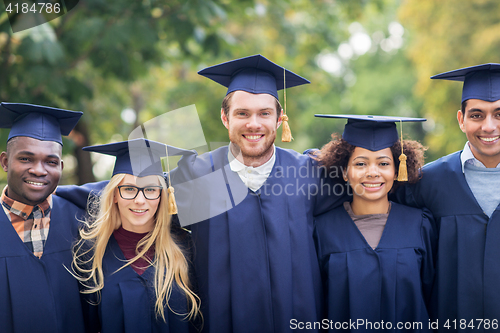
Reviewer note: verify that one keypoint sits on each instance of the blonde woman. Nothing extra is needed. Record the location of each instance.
(131, 259)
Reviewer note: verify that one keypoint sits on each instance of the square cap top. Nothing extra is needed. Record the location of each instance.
(35, 121)
(370, 132)
(480, 82)
(138, 157)
(254, 74)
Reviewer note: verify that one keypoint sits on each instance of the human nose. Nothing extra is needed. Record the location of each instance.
(253, 122)
(38, 169)
(489, 124)
(372, 171)
(140, 197)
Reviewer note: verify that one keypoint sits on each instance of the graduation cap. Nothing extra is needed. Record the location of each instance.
(374, 133)
(257, 75)
(480, 82)
(140, 158)
(36, 121)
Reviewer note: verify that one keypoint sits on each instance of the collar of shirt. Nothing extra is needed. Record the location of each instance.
(23, 210)
(468, 157)
(253, 178)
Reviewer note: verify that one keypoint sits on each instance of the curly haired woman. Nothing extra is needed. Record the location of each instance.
(376, 256)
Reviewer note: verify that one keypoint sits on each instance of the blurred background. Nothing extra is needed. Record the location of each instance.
(125, 62)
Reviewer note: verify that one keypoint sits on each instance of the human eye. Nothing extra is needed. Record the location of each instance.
(151, 189)
(475, 116)
(385, 163)
(129, 189)
(23, 159)
(360, 164)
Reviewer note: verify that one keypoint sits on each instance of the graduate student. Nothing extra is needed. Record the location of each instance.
(37, 293)
(131, 257)
(376, 256)
(461, 191)
(254, 252)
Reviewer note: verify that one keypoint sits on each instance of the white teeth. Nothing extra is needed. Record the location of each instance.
(138, 210)
(34, 183)
(489, 139)
(372, 185)
(252, 137)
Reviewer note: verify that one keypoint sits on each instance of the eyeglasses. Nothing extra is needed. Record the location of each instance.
(129, 192)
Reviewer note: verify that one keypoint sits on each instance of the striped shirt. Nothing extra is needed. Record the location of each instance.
(30, 222)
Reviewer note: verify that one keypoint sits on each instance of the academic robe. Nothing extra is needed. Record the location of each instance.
(390, 284)
(40, 295)
(468, 259)
(254, 252)
(127, 302)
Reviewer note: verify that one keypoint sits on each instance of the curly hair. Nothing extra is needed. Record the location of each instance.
(336, 154)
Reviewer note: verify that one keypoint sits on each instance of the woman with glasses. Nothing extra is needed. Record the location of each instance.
(132, 260)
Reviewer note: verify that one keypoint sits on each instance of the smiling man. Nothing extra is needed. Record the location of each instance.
(461, 190)
(37, 293)
(254, 255)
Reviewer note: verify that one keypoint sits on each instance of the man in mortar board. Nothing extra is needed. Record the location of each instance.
(37, 293)
(461, 190)
(254, 252)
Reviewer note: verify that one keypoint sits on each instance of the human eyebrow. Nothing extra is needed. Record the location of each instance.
(381, 157)
(474, 110)
(362, 157)
(25, 152)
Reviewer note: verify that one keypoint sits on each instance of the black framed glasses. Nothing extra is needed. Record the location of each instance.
(129, 192)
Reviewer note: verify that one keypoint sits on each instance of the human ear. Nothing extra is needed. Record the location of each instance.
(224, 119)
(4, 159)
(460, 118)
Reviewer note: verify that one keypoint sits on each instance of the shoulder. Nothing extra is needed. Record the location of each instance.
(290, 156)
(445, 163)
(328, 218)
(400, 208)
(64, 205)
(412, 216)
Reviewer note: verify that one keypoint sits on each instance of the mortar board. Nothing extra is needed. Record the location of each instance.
(36, 121)
(371, 132)
(254, 74)
(138, 157)
(480, 82)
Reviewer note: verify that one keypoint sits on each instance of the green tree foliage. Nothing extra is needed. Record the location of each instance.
(103, 57)
(447, 35)
(100, 48)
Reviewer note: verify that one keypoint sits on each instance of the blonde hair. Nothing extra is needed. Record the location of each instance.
(169, 260)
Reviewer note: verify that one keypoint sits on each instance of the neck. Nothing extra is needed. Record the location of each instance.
(361, 207)
(251, 161)
(488, 161)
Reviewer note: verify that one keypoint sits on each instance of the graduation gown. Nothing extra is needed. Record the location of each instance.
(40, 295)
(389, 284)
(254, 253)
(468, 260)
(128, 299)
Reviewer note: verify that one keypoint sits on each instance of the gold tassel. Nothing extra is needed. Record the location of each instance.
(403, 170)
(172, 206)
(286, 134)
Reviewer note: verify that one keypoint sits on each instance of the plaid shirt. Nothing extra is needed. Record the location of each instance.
(30, 222)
